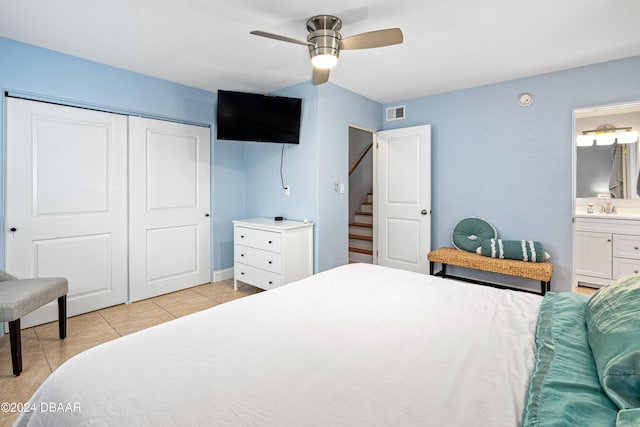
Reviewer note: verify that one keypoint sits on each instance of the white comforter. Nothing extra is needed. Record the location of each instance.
(357, 345)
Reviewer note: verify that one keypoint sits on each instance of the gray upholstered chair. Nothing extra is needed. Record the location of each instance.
(19, 297)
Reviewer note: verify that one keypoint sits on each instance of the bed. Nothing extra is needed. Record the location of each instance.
(356, 345)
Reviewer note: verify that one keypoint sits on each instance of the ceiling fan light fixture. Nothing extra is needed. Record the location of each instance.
(325, 43)
(324, 61)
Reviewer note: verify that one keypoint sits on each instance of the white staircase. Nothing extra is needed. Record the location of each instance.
(361, 233)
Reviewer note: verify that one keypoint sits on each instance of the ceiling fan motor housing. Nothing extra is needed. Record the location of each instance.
(323, 33)
(326, 42)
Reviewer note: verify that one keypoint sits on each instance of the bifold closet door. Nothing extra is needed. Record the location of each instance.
(169, 203)
(66, 202)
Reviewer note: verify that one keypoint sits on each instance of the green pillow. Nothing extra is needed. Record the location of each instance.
(628, 418)
(523, 250)
(564, 389)
(470, 232)
(613, 322)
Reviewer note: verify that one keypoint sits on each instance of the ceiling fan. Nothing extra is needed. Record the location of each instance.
(325, 42)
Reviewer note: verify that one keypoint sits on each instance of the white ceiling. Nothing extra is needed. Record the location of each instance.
(448, 45)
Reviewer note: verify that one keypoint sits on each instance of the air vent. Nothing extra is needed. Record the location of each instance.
(396, 113)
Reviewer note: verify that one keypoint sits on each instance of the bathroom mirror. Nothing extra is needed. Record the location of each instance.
(607, 156)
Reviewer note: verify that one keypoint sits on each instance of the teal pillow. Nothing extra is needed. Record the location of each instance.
(628, 418)
(564, 389)
(613, 322)
(470, 232)
(523, 250)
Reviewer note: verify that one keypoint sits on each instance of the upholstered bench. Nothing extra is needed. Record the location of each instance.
(541, 271)
(19, 297)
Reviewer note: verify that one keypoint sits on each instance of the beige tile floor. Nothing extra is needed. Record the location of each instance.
(43, 351)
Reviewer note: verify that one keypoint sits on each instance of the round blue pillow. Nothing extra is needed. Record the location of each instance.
(469, 233)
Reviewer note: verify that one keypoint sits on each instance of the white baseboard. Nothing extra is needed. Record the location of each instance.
(221, 275)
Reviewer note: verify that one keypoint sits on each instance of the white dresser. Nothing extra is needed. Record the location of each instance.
(606, 248)
(269, 253)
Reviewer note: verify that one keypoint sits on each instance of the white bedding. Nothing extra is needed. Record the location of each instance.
(357, 345)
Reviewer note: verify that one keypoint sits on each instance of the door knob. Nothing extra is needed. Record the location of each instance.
(423, 211)
(13, 229)
(207, 215)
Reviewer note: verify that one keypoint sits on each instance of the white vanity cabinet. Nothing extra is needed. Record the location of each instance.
(605, 249)
(269, 253)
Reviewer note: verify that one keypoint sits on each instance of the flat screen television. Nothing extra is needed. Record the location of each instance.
(262, 118)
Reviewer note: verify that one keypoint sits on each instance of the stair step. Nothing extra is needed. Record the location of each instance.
(364, 218)
(364, 213)
(361, 237)
(361, 251)
(361, 224)
(364, 258)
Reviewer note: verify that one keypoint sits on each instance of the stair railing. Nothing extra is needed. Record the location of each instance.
(362, 156)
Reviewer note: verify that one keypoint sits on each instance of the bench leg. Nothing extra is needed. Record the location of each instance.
(431, 268)
(62, 316)
(545, 286)
(444, 271)
(16, 346)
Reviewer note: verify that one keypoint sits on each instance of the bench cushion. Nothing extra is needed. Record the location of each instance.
(21, 297)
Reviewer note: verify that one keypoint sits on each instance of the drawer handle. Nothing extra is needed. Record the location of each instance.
(270, 242)
(636, 271)
(270, 262)
(636, 248)
(242, 273)
(241, 254)
(270, 282)
(608, 240)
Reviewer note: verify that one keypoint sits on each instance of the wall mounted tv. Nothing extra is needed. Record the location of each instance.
(262, 118)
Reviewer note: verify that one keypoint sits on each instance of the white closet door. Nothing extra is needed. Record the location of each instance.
(66, 198)
(169, 202)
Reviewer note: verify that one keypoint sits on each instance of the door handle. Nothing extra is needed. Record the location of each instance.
(13, 229)
(207, 215)
(423, 211)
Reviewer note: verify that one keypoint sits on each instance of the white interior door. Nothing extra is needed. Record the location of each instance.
(169, 202)
(66, 198)
(403, 198)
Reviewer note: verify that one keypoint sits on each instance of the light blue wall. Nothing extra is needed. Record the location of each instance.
(490, 157)
(264, 195)
(511, 164)
(314, 165)
(338, 108)
(46, 74)
(228, 198)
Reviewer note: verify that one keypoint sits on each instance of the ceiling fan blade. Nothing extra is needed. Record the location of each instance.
(320, 75)
(371, 39)
(281, 38)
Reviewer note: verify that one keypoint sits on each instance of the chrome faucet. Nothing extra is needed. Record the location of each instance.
(608, 208)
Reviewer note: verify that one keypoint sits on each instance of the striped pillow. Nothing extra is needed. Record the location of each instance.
(523, 250)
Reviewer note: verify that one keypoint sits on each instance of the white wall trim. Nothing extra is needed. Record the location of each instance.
(221, 275)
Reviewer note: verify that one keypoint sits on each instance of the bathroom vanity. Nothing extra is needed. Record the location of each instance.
(606, 247)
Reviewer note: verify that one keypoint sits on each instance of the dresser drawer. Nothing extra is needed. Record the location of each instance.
(257, 277)
(623, 267)
(626, 246)
(261, 239)
(260, 258)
